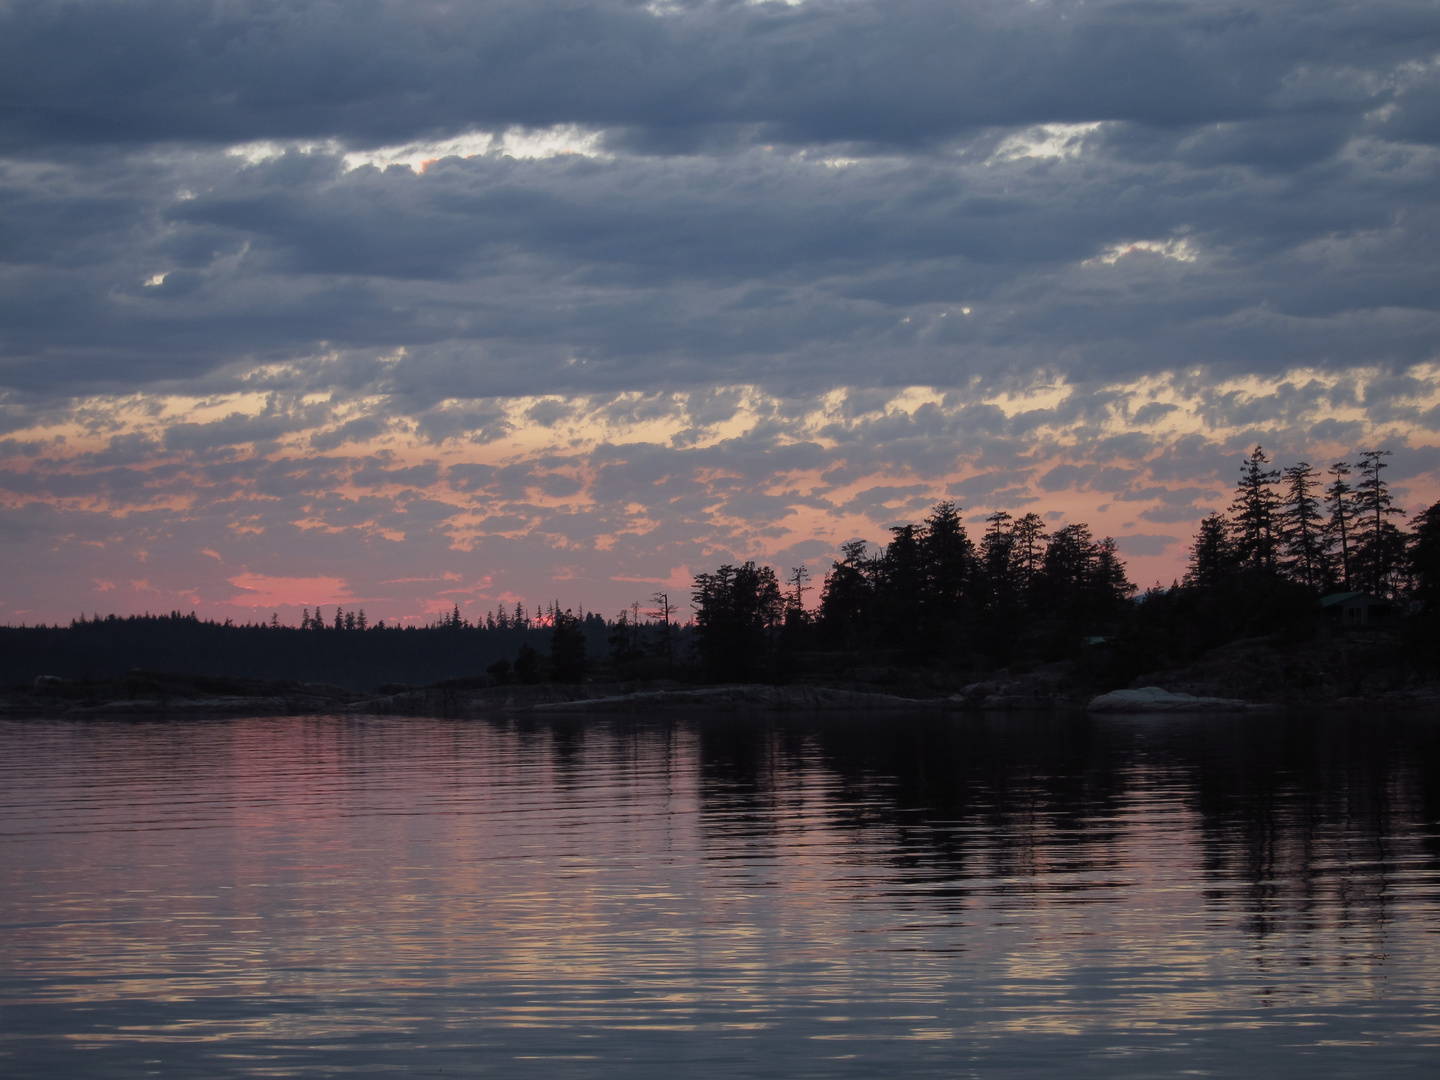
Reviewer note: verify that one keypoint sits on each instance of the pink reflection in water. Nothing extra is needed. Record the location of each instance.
(843, 896)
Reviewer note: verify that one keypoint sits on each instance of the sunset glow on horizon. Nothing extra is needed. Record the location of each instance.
(600, 501)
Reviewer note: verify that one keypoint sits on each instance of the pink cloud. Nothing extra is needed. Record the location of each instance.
(261, 590)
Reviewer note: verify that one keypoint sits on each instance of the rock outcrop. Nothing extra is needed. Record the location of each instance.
(745, 697)
(1153, 699)
(168, 693)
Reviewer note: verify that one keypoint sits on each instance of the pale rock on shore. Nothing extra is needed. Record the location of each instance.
(744, 697)
(1153, 699)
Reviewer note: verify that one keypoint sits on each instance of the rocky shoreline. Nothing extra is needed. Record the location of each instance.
(1358, 672)
(114, 698)
(319, 699)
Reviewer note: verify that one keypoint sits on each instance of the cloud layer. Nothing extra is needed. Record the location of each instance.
(247, 503)
(596, 288)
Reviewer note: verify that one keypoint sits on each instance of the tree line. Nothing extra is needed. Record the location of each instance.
(553, 644)
(354, 657)
(1337, 535)
(502, 618)
(1020, 593)
(1289, 537)
(930, 595)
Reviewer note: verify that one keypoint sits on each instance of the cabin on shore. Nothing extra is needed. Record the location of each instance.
(1357, 609)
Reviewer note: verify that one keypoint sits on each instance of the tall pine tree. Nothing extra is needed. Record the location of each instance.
(1380, 552)
(1302, 527)
(1212, 555)
(1254, 512)
(1340, 498)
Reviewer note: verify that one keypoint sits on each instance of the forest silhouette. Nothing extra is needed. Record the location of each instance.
(931, 599)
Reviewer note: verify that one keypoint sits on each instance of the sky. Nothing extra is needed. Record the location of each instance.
(410, 305)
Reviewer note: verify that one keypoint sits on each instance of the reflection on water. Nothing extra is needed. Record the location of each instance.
(831, 896)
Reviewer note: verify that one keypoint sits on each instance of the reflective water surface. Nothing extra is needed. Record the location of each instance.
(720, 896)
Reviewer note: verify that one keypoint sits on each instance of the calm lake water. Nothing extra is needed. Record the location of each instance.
(837, 896)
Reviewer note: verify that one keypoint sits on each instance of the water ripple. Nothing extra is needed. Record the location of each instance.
(839, 896)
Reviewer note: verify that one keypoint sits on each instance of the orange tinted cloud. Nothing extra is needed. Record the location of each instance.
(599, 501)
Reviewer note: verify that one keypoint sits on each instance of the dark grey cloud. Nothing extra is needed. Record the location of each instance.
(1063, 476)
(1145, 543)
(982, 485)
(1278, 161)
(375, 473)
(907, 71)
(240, 429)
(872, 502)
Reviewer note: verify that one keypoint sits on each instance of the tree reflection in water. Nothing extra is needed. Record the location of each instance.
(829, 895)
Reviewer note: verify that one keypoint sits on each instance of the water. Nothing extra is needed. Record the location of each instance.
(720, 896)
